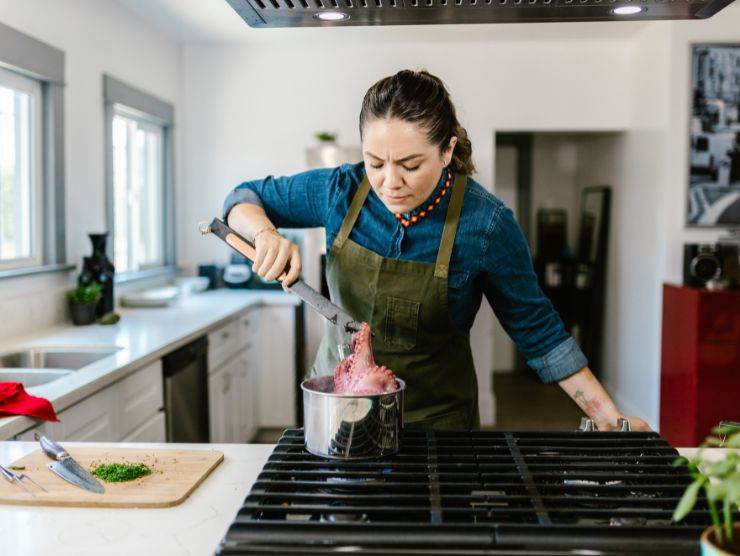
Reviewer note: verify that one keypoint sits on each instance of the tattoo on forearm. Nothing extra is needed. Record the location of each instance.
(590, 407)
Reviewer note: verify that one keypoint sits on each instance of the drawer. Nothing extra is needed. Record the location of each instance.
(140, 395)
(719, 317)
(248, 328)
(91, 420)
(154, 430)
(30, 434)
(223, 344)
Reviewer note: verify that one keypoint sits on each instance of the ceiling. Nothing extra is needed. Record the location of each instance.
(214, 21)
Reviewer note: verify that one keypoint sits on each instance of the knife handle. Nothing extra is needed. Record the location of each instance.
(52, 449)
(236, 241)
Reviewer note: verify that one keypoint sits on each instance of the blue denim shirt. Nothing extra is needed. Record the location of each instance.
(490, 255)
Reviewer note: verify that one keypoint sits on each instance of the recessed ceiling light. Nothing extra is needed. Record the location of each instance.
(331, 16)
(627, 10)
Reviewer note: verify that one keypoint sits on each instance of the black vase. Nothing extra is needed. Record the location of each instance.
(98, 268)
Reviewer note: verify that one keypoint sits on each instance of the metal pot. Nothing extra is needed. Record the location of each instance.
(348, 427)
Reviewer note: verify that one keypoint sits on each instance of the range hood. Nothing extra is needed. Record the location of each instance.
(318, 13)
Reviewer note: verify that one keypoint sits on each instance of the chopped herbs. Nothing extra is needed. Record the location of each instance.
(120, 472)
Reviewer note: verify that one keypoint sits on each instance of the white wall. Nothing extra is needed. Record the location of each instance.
(252, 109)
(97, 36)
(274, 94)
(271, 98)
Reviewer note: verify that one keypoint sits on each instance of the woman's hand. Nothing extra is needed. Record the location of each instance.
(585, 389)
(277, 256)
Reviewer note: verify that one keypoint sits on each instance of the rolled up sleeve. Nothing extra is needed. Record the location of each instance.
(297, 201)
(529, 318)
(560, 362)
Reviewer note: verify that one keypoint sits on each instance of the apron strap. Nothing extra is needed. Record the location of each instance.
(353, 212)
(444, 255)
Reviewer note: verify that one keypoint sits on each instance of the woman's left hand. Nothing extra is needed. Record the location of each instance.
(636, 424)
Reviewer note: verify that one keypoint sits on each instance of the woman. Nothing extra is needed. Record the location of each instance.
(413, 244)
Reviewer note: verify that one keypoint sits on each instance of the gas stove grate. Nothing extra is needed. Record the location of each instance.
(474, 492)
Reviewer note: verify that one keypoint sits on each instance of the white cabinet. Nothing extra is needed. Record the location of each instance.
(232, 386)
(129, 408)
(44, 429)
(223, 402)
(152, 430)
(276, 380)
(139, 397)
(223, 343)
(92, 419)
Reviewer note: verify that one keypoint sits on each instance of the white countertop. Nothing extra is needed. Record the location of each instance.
(143, 335)
(195, 527)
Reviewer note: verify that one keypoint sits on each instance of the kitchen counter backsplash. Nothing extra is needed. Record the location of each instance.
(34, 302)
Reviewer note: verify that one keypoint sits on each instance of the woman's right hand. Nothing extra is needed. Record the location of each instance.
(275, 256)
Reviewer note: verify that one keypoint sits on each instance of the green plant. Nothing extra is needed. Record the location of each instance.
(84, 295)
(325, 136)
(720, 481)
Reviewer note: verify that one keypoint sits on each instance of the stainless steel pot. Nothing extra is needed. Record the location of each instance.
(356, 426)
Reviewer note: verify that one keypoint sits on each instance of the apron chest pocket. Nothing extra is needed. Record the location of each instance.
(401, 323)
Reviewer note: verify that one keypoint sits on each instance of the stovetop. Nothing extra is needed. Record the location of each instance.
(473, 492)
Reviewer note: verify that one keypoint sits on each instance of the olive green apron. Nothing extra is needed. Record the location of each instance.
(405, 303)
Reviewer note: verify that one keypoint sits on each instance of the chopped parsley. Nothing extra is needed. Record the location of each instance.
(120, 472)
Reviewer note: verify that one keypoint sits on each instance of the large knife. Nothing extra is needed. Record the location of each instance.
(326, 308)
(67, 468)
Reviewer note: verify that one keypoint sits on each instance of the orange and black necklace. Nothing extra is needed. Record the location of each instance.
(415, 216)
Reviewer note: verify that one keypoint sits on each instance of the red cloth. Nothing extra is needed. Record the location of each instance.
(14, 400)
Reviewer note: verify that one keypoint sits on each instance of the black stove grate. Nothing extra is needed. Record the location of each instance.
(474, 492)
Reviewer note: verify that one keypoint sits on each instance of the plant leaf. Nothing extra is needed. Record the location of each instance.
(733, 441)
(688, 500)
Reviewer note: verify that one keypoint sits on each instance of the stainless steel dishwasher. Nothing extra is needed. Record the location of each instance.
(186, 392)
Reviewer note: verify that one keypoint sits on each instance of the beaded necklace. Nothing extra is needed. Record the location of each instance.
(414, 218)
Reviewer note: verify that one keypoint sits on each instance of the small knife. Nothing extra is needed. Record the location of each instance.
(326, 308)
(67, 468)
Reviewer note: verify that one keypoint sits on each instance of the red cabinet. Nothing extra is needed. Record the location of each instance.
(700, 362)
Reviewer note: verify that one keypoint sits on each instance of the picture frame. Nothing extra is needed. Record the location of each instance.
(713, 193)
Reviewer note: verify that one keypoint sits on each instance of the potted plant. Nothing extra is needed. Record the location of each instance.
(720, 481)
(82, 302)
(326, 136)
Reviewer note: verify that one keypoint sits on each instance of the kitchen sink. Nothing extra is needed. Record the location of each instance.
(31, 377)
(54, 358)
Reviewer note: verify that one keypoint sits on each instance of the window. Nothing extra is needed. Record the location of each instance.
(138, 193)
(139, 180)
(32, 228)
(20, 171)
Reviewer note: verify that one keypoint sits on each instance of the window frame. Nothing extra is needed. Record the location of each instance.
(32, 59)
(32, 87)
(125, 99)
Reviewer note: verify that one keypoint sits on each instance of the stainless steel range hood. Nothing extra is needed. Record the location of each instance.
(315, 13)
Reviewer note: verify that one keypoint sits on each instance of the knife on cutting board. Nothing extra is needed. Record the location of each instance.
(326, 308)
(67, 468)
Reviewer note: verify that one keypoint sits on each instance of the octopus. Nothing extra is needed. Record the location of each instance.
(358, 373)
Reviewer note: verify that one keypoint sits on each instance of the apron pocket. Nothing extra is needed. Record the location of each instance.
(401, 323)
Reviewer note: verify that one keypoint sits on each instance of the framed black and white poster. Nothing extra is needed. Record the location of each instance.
(714, 182)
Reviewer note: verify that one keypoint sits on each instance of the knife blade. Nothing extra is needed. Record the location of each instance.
(323, 306)
(67, 468)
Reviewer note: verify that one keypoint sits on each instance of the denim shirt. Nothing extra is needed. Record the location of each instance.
(490, 255)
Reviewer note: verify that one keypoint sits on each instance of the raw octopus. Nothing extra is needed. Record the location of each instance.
(358, 373)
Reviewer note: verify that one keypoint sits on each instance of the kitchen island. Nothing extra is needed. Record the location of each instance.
(195, 527)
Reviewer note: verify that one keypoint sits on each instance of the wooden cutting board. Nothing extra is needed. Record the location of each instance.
(175, 474)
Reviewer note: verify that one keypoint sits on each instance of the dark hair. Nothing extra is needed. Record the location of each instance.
(420, 97)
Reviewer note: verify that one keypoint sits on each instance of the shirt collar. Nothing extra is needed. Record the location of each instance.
(432, 196)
